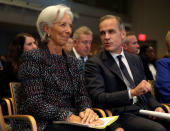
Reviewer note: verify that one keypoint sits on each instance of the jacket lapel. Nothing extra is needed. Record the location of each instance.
(132, 66)
(111, 64)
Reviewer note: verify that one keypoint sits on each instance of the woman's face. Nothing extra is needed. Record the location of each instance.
(60, 31)
(30, 43)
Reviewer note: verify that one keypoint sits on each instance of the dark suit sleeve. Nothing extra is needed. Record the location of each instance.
(139, 76)
(100, 85)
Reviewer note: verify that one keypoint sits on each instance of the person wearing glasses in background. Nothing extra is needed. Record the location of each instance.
(82, 38)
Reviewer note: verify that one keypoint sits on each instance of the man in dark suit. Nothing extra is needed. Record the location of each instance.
(82, 38)
(116, 80)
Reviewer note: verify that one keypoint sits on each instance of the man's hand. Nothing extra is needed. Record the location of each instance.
(158, 109)
(88, 116)
(142, 88)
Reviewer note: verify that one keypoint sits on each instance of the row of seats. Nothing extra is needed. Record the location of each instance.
(154, 92)
(14, 120)
(28, 121)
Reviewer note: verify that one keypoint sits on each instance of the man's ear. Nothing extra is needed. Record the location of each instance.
(125, 47)
(123, 34)
(75, 42)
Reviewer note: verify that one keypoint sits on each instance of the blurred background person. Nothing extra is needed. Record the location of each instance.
(6, 76)
(68, 46)
(1, 66)
(3, 57)
(82, 38)
(22, 42)
(130, 43)
(163, 74)
(167, 42)
(148, 57)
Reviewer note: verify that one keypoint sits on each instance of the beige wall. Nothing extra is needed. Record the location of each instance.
(152, 17)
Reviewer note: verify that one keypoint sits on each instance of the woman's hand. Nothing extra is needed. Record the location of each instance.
(97, 123)
(88, 116)
(74, 119)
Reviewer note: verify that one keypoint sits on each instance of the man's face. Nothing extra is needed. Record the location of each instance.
(111, 36)
(132, 46)
(83, 45)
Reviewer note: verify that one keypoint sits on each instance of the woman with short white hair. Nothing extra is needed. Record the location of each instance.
(53, 82)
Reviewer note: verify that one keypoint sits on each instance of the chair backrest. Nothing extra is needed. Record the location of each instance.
(2, 123)
(29, 120)
(8, 103)
(14, 88)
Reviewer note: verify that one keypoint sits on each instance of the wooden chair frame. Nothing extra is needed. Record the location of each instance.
(30, 118)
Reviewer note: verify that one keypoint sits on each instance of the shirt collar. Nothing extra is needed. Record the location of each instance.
(115, 55)
(78, 56)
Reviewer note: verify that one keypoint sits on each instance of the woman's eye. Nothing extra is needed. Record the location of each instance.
(63, 24)
(29, 44)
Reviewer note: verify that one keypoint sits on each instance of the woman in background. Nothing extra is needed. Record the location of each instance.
(163, 74)
(22, 42)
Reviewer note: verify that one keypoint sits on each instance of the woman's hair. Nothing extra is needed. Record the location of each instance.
(167, 38)
(167, 42)
(49, 16)
(16, 49)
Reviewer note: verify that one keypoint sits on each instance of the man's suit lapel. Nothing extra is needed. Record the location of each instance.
(132, 66)
(110, 63)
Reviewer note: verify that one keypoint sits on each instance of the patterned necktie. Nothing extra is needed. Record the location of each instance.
(141, 99)
(125, 72)
(83, 62)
